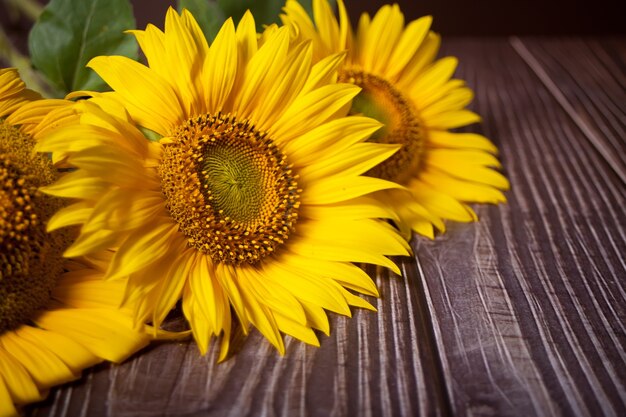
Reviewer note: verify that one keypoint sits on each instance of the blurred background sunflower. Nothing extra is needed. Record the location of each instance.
(57, 316)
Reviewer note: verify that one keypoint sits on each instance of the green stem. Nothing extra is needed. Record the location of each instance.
(29, 8)
(13, 57)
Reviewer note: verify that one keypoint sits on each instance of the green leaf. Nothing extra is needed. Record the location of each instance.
(71, 32)
(209, 15)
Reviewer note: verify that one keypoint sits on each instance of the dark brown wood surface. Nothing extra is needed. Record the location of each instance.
(521, 314)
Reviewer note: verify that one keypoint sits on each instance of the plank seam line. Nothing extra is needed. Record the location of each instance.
(535, 66)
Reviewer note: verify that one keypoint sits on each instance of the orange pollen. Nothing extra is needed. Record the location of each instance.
(30, 259)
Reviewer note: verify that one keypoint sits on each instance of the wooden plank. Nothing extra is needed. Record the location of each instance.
(528, 305)
(588, 79)
(375, 364)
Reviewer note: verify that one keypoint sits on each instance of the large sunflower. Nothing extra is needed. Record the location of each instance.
(56, 316)
(253, 197)
(412, 93)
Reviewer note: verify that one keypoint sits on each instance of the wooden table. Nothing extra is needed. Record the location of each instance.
(521, 314)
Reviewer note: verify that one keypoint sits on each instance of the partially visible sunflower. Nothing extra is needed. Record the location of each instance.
(252, 199)
(413, 94)
(57, 317)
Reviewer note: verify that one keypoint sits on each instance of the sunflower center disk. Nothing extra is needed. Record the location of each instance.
(229, 188)
(380, 100)
(30, 259)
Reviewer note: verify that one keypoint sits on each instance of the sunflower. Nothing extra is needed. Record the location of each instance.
(413, 95)
(56, 316)
(252, 201)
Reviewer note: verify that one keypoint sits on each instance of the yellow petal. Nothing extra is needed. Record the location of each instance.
(423, 101)
(111, 163)
(275, 297)
(263, 319)
(357, 160)
(434, 77)
(456, 99)
(141, 248)
(462, 190)
(409, 42)
(381, 38)
(297, 330)
(201, 284)
(355, 301)
(122, 209)
(107, 334)
(73, 354)
(285, 88)
(34, 112)
(453, 119)
(18, 382)
(246, 45)
(473, 173)
(304, 285)
(227, 278)
(7, 409)
(74, 214)
(152, 44)
(219, 78)
(327, 25)
(424, 56)
(316, 317)
(371, 234)
(198, 322)
(92, 241)
(411, 210)
(330, 251)
(261, 72)
(330, 138)
(171, 286)
(77, 184)
(443, 157)
(311, 110)
(85, 288)
(148, 97)
(359, 208)
(44, 367)
(296, 15)
(445, 139)
(423, 228)
(346, 274)
(441, 204)
(324, 72)
(341, 188)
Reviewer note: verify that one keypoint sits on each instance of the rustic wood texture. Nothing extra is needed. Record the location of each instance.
(588, 79)
(521, 314)
(528, 305)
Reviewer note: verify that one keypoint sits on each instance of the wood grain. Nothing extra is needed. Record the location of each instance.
(521, 314)
(528, 305)
(588, 79)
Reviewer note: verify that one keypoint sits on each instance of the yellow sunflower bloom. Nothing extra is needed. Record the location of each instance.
(413, 94)
(57, 316)
(252, 199)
